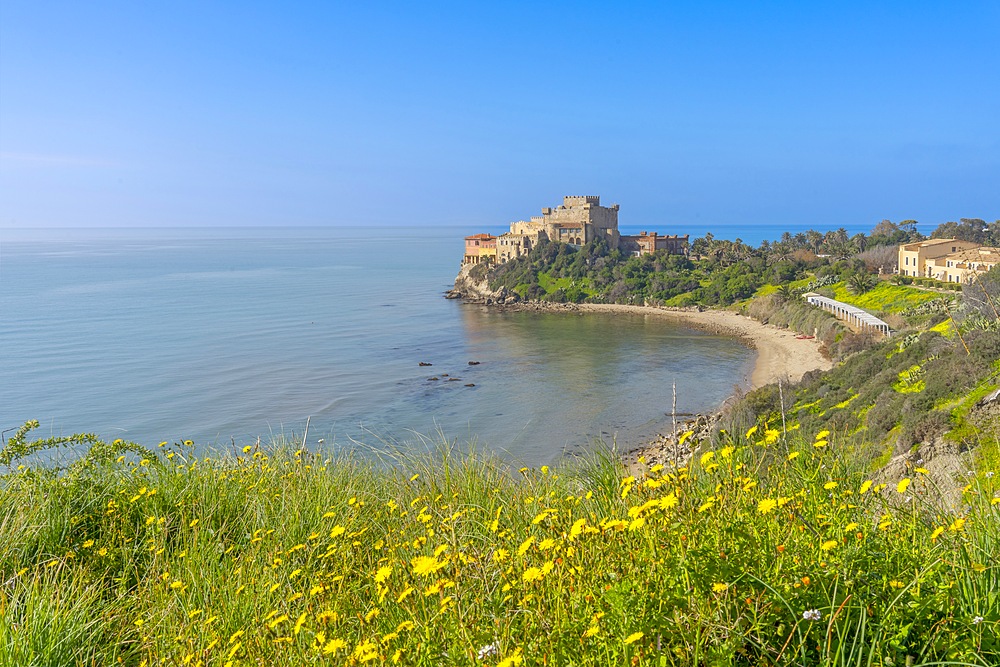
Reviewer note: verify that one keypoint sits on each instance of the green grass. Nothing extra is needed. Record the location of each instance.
(765, 550)
(550, 284)
(885, 297)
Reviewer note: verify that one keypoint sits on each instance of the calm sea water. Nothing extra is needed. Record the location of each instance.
(229, 334)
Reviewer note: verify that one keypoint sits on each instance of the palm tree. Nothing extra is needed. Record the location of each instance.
(861, 282)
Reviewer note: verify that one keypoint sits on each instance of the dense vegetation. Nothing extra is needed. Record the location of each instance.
(773, 546)
(718, 272)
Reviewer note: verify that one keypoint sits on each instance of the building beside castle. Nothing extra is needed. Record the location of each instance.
(580, 220)
(947, 260)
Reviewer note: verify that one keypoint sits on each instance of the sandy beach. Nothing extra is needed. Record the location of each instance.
(780, 355)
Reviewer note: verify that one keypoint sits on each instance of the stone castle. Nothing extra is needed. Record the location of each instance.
(577, 222)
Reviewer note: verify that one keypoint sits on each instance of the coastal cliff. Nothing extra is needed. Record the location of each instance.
(472, 285)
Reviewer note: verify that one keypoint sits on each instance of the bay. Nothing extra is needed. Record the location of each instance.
(225, 335)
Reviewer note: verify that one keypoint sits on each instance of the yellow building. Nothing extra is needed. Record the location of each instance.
(913, 257)
(964, 265)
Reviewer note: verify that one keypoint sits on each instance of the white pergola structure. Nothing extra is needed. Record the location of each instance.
(843, 311)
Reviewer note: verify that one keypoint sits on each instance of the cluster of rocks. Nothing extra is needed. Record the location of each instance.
(666, 449)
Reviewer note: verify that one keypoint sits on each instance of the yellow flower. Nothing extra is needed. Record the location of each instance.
(532, 574)
(334, 645)
(426, 565)
(383, 573)
(591, 631)
(577, 528)
(822, 434)
(512, 660)
(937, 533)
(668, 501)
(830, 485)
(820, 444)
(903, 483)
(864, 487)
(636, 636)
(525, 545)
(706, 457)
(720, 588)
(793, 455)
(957, 525)
(752, 430)
(546, 544)
(829, 544)
(88, 544)
(766, 505)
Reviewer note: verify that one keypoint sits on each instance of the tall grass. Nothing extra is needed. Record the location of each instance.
(764, 551)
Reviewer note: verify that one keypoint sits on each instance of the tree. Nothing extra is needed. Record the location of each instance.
(861, 282)
(968, 229)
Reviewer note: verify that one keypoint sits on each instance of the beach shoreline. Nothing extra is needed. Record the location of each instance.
(782, 356)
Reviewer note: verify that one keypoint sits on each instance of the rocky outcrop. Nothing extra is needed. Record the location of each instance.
(666, 448)
(474, 287)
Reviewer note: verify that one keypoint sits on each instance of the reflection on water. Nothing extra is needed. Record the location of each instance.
(226, 339)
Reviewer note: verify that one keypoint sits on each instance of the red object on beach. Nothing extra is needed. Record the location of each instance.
(805, 337)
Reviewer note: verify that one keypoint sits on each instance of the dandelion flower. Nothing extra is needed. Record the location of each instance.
(591, 631)
(720, 588)
(426, 565)
(532, 574)
(512, 660)
(766, 505)
(828, 545)
(903, 483)
(334, 645)
(634, 637)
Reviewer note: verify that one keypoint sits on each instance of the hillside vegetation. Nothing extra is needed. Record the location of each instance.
(770, 547)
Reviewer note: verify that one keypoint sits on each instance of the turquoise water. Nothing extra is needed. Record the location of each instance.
(229, 334)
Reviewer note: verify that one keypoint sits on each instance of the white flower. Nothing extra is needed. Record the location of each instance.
(920, 462)
(812, 615)
(989, 474)
(487, 651)
(977, 620)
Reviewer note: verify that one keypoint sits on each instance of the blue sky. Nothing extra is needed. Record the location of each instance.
(357, 113)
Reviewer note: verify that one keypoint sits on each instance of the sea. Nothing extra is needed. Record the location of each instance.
(336, 336)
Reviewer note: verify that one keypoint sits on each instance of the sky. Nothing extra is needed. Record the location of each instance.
(156, 114)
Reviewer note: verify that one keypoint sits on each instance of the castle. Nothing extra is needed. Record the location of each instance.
(577, 222)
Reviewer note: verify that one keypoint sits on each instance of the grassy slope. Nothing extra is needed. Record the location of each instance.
(284, 557)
